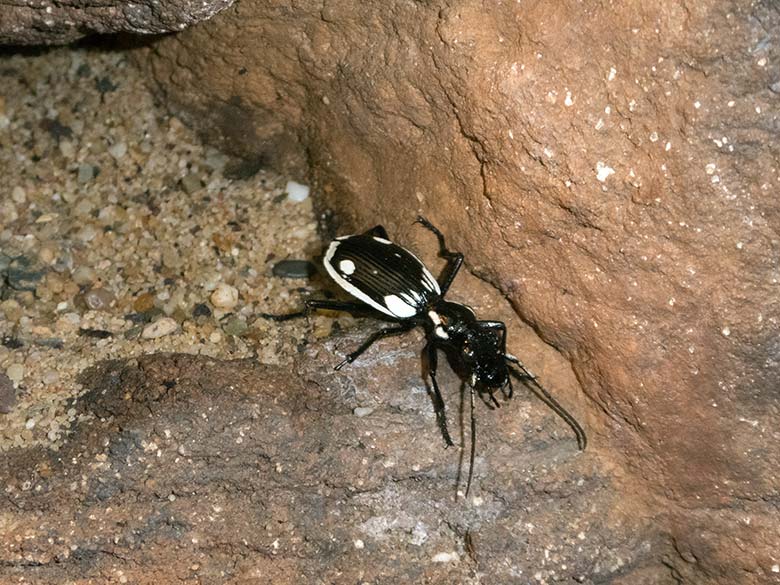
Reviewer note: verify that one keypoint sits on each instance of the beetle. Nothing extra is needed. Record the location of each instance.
(390, 282)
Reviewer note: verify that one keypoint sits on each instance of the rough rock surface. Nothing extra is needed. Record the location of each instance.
(28, 22)
(209, 471)
(612, 169)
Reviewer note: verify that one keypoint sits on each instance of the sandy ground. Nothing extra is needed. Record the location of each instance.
(120, 235)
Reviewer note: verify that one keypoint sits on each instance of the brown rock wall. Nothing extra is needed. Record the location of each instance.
(611, 169)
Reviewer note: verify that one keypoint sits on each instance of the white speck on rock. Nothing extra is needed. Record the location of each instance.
(603, 171)
(362, 411)
(445, 557)
(611, 74)
(725, 331)
(359, 544)
(160, 328)
(296, 191)
(568, 102)
(776, 568)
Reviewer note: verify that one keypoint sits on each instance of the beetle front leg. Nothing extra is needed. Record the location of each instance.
(438, 401)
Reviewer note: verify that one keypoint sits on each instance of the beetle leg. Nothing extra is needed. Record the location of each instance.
(313, 305)
(438, 401)
(376, 336)
(454, 259)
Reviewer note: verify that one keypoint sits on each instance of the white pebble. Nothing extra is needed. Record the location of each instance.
(296, 191)
(362, 411)
(15, 372)
(359, 544)
(159, 328)
(224, 296)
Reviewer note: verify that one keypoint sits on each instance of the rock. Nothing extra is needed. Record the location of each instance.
(294, 269)
(607, 175)
(160, 328)
(178, 424)
(224, 296)
(7, 394)
(30, 24)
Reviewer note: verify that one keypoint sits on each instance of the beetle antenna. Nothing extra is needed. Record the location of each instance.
(525, 376)
(473, 442)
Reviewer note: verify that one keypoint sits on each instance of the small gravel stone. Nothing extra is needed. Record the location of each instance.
(224, 296)
(15, 372)
(235, 326)
(201, 310)
(294, 269)
(18, 195)
(144, 303)
(7, 394)
(118, 150)
(160, 328)
(84, 275)
(86, 173)
(362, 411)
(96, 299)
(191, 183)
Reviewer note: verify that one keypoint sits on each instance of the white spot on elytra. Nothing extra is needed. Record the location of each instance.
(347, 267)
(398, 307)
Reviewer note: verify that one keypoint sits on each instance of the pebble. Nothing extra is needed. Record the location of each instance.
(294, 269)
(7, 394)
(235, 326)
(96, 299)
(18, 194)
(296, 191)
(201, 310)
(362, 411)
(86, 173)
(191, 183)
(144, 303)
(159, 328)
(84, 275)
(118, 150)
(224, 296)
(15, 372)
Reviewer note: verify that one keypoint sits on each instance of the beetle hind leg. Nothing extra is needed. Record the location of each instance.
(454, 259)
